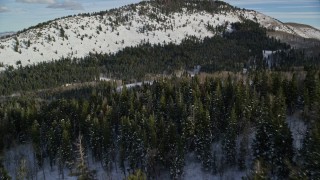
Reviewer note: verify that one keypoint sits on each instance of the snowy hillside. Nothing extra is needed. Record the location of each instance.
(304, 30)
(77, 36)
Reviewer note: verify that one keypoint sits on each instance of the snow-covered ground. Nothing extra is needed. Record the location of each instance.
(298, 129)
(132, 85)
(77, 36)
(24, 154)
(304, 30)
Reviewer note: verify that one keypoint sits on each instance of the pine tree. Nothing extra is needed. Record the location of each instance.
(310, 153)
(263, 145)
(311, 87)
(229, 141)
(188, 129)
(216, 111)
(283, 150)
(62, 32)
(263, 142)
(152, 133)
(66, 146)
(124, 143)
(53, 140)
(177, 163)
(35, 135)
(107, 144)
(96, 138)
(82, 170)
(242, 155)
(203, 136)
(136, 146)
(283, 141)
(292, 93)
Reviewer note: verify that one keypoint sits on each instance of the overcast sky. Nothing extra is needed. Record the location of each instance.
(19, 14)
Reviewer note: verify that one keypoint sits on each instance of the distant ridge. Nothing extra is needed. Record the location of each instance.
(2, 34)
(300, 25)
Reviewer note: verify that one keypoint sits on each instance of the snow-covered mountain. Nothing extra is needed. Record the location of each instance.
(111, 31)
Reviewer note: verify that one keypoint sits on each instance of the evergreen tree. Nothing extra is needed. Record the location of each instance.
(177, 163)
(229, 141)
(152, 133)
(311, 87)
(82, 170)
(62, 32)
(283, 141)
(292, 93)
(107, 144)
(203, 136)
(35, 135)
(66, 145)
(216, 111)
(310, 153)
(188, 129)
(242, 155)
(53, 140)
(263, 143)
(96, 138)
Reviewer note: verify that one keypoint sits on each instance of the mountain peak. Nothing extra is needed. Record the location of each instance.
(154, 22)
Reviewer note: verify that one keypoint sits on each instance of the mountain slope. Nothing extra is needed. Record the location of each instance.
(111, 31)
(304, 31)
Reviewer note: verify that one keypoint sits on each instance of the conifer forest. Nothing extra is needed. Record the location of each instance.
(217, 101)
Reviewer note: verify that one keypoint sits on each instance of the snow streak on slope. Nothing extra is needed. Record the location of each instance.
(77, 36)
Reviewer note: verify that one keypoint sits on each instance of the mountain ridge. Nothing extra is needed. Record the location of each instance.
(131, 25)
